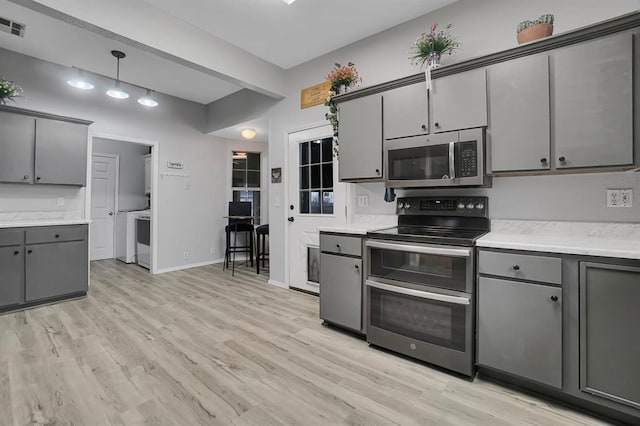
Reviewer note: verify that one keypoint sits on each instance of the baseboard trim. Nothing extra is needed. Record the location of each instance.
(277, 284)
(189, 266)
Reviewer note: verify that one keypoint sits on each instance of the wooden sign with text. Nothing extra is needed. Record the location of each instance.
(315, 95)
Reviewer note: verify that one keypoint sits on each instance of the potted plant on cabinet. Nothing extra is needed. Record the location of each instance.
(8, 91)
(429, 47)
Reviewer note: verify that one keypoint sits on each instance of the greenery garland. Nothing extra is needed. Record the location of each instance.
(341, 78)
(9, 90)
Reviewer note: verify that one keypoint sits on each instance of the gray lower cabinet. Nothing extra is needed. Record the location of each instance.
(60, 153)
(341, 290)
(11, 276)
(519, 114)
(360, 139)
(17, 133)
(609, 336)
(520, 329)
(405, 111)
(593, 98)
(459, 101)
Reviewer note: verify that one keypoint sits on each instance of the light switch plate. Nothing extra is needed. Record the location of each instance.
(626, 198)
(613, 198)
(363, 201)
(60, 201)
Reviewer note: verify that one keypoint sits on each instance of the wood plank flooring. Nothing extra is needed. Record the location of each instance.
(199, 347)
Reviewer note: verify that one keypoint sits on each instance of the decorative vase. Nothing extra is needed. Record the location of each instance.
(433, 60)
(535, 32)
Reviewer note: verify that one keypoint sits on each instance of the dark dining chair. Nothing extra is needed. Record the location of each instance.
(235, 227)
(262, 232)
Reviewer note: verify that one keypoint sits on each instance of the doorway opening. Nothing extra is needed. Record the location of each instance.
(122, 202)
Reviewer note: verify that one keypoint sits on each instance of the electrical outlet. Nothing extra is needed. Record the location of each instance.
(626, 198)
(613, 198)
(363, 201)
(186, 255)
(60, 201)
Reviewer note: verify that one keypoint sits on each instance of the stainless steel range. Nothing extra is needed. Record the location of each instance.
(420, 282)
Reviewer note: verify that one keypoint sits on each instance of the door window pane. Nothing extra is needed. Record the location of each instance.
(316, 173)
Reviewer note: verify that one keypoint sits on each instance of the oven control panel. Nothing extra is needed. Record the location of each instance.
(443, 206)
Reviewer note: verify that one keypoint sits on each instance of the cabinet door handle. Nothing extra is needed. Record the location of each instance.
(424, 127)
(357, 266)
(26, 177)
(377, 171)
(29, 251)
(57, 235)
(543, 160)
(554, 298)
(17, 252)
(37, 177)
(337, 245)
(562, 159)
(437, 125)
(516, 267)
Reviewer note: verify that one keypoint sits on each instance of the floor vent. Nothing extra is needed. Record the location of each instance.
(11, 27)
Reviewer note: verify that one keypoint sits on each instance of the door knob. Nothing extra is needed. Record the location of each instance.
(290, 219)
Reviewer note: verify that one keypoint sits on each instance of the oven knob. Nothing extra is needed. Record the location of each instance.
(401, 205)
(407, 205)
(479, 206)
(470, 206)
(461, 205)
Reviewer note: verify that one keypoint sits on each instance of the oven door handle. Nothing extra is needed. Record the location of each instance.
(452, 160)
(442, 251)
(421, 294)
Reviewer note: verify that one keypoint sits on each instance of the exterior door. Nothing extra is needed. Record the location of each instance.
(103, 206)
(315, 198)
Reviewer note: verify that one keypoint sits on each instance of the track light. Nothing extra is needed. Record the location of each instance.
(116, 91)
(147, 100)
(80, 81)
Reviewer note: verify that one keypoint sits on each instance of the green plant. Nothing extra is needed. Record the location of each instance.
(340, 77)
(434, 42)
(8, 90)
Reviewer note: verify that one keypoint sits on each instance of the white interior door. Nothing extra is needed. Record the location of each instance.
(103, 206)
(315, 198)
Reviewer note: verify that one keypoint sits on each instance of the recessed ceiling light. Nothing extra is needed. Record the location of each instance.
(248, 133)
(147, 100)
(80, 81)
(288, 1)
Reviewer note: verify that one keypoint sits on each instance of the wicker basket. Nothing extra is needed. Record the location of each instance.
(535, 32)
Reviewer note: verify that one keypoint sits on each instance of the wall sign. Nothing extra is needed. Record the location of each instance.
(174, 165)
(315, 95)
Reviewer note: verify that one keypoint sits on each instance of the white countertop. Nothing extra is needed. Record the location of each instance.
(620, 240)
(361, 224)
(42, 222)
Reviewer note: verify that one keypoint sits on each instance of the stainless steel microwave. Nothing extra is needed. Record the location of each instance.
(439, 160)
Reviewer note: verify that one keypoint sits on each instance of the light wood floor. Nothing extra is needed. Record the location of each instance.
(201, 347)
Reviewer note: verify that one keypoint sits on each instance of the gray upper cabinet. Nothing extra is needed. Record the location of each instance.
(459, 101)
(17, 133)
(61, 153)
(593, 99)
(360, 138)
(519, 114)
(405, 111)
(609, 318)
(520, 329)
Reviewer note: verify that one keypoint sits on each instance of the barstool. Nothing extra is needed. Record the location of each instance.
(262, 232)
(237, 226)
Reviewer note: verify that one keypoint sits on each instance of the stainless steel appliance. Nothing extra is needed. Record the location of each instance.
(443, 159)
(420, 281)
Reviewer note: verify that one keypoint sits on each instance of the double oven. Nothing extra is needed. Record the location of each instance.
(419, 288)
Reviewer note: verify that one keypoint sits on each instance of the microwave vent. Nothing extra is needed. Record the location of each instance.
(11, 27)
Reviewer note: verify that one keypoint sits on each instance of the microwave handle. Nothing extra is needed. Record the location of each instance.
(438, 251)
(452, 162)
(421, 294)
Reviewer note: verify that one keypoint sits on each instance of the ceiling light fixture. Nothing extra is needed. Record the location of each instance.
(147, 100)
(248, 133)
(288, 1)
(80, 81)
(116, 91)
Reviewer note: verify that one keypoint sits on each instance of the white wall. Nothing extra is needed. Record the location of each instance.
(187, 217)
(131, 180)
(482, 27)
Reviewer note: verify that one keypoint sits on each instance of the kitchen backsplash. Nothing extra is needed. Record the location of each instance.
(40, 202)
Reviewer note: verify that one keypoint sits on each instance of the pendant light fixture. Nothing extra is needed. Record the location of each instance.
(147, 100)
(116, 91)
(80, 81)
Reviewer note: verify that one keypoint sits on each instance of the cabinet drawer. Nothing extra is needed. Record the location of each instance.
(521, 266)
(11, 237)
(340, 244)
(56, 234)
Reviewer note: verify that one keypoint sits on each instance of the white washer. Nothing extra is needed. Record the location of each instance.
(126, 234)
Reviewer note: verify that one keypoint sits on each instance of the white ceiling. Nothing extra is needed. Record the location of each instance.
(59, 42)
(288, 35)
